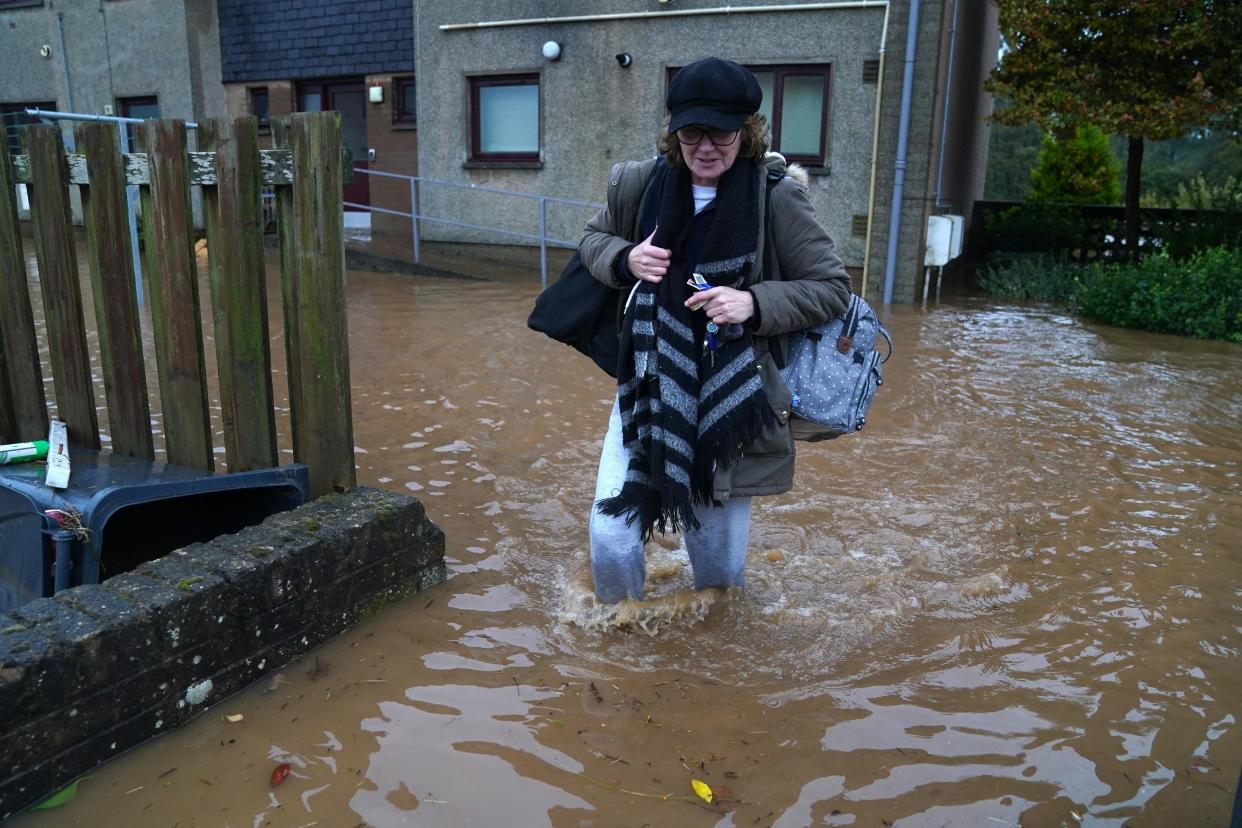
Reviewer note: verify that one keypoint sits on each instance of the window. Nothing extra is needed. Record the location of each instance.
(504, 118)
(259, 106)
(13, 119)
(310, 98)
(795, 102)
(403, 100)
(144, 107)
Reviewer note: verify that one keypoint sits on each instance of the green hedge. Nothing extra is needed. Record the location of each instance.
(1038, 276)
(1200, 296)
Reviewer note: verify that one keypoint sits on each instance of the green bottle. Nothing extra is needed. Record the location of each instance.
(23, 452)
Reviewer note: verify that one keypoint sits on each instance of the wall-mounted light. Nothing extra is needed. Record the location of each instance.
(552, 50)
(376, 93)
(625, 60)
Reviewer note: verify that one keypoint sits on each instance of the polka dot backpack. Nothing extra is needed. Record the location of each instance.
(833, 371)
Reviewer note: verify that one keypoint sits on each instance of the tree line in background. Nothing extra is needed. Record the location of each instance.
(1202, 171)
(1084, 87)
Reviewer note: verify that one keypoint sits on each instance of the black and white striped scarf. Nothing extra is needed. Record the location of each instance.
(685, 411)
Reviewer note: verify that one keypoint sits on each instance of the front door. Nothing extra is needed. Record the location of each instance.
(350, 99)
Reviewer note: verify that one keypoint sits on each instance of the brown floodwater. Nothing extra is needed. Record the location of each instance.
(1013, 599)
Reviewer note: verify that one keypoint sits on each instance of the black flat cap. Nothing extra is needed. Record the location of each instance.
(715, 93)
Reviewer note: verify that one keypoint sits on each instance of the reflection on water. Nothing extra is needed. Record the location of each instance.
(1013, 598)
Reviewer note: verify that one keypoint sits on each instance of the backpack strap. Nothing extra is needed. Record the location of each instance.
(781, 352)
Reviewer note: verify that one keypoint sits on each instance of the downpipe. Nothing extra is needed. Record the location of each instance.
(903, 139)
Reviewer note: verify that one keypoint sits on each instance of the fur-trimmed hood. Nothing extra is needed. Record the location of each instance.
(775, 162)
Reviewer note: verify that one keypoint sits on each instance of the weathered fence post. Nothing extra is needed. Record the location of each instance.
(167, 226)
(283, 198)
(105, 213)
(313, 280)
(233, 214)
(23, 408)
(58, 279)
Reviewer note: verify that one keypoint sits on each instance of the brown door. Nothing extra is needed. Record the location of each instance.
(350, 99)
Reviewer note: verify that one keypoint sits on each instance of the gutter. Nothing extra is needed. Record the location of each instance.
(592, 18)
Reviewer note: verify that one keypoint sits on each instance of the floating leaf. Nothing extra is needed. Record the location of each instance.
(721, 792)
(234, 718)
(60, 797)
(703, 790)
(278, 775)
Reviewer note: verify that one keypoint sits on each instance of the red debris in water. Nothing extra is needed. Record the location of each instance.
(278, 775)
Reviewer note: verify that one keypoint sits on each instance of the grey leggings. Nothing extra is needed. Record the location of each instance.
(717, 548)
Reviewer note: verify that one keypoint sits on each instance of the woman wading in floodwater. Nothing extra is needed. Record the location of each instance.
(701, 422)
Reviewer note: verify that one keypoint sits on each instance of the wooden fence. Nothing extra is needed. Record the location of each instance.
(1091, 232)
(306, 171)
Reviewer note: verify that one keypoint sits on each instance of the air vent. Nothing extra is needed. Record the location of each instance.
(871, 71)
(858, 225)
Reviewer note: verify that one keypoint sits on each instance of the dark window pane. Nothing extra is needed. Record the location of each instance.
(141, 108)
(259, 104)
(408, 110)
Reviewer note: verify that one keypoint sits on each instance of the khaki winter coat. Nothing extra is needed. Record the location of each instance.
(807, 285)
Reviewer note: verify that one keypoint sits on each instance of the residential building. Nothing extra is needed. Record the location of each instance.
(494, 111)
(135, 58)
(357, 58)
(542, 96)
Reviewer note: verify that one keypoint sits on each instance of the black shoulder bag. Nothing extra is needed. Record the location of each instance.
(580, 311)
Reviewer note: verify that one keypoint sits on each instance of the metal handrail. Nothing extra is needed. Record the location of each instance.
(416, 218)
(413, 215)
(476, 188)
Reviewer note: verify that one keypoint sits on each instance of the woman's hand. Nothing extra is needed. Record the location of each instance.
(724, 304)
(648, 262)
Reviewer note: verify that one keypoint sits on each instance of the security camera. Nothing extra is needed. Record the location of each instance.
(624, 60)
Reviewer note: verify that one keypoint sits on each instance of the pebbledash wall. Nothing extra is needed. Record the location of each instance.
(114, 52)
(96, 670)
(593, 112)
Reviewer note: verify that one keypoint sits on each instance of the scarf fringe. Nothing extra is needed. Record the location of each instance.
(668, 510)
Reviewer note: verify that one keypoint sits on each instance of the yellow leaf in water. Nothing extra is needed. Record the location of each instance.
(703, 790)
(234, 718)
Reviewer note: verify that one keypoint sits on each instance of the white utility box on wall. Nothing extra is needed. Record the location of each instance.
(939, 237)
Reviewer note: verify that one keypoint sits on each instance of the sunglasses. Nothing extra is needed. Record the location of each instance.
(693, 135)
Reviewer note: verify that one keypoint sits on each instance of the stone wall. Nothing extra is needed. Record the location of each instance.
(99, 669)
